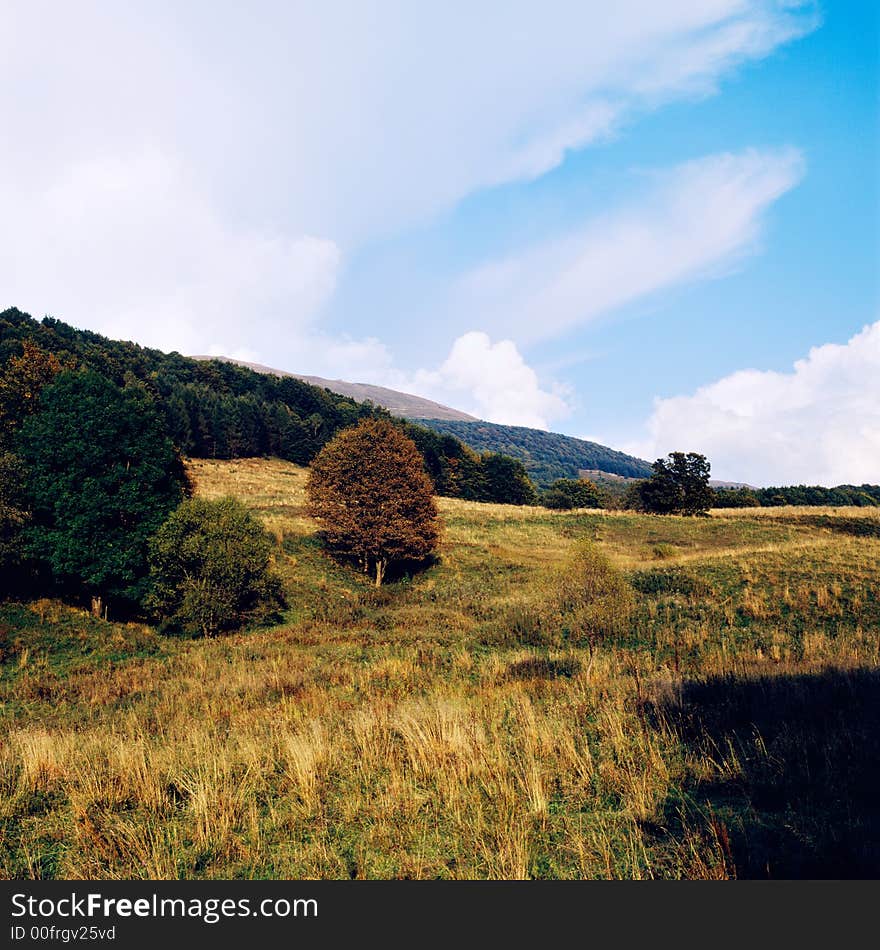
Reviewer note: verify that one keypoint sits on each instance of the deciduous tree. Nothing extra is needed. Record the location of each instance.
(101, 476)
(210, 568)
(568, 493)
(679, 485)
(21, 382)
(369, 491)
(507, 481)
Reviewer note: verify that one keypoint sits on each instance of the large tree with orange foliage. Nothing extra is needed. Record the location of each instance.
(368, 490)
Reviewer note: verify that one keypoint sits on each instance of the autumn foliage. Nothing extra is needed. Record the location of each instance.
(369, 491)
(22, 380)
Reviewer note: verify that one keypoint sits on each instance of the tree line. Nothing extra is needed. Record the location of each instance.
(861, 496)
(678, 491)
(96, 506)
(214, 409)
(547, 456)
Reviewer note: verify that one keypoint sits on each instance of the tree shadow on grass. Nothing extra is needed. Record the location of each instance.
(805, 800)
(859, 527)
(403, 569)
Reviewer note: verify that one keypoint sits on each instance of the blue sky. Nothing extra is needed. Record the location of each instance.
(655, 226)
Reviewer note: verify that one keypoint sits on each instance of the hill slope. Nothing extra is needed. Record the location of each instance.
(443, 729)
(217, 409)
(404, 405)
(546, 455)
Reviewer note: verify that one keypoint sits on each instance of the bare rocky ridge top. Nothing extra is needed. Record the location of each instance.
(401, 404)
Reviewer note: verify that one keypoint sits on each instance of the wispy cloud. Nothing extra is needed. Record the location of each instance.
(196, 173)
(693, 221)
(819, 423)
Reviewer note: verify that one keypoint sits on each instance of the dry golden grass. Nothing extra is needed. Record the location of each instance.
(450, 725)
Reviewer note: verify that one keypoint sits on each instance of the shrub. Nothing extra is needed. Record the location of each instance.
(541, 667)
(594, 600)
(557, 500)
(567, 493)
(673, 580)
(210, 569)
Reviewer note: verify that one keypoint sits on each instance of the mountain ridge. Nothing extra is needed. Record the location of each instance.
(545, 455)
(404, 405)
(219, 410)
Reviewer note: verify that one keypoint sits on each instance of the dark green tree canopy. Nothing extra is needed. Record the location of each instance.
(568, 493)
(369, 491)
(21, 382)
(13, 518)
(101, 477)
(507, 481)
(210, 568)
(547, 456)
(862, 496)
(679, 485)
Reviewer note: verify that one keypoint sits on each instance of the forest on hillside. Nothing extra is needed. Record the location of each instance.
(861, 496)
(216, 409)
(547, 456)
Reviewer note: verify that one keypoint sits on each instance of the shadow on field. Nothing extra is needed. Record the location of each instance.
(403, 569)
(865, 527)
(409, 568)
(805, 799)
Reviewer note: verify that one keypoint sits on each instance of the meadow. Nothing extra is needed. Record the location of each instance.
(716, 715)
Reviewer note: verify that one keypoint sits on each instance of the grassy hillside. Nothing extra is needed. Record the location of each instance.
(546, 455)
(453, 724)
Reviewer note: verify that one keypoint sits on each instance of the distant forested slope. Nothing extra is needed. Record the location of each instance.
(862, 496)
(217, 409)
(546, 455)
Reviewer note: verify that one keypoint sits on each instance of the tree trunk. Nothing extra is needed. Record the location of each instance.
(380, 571)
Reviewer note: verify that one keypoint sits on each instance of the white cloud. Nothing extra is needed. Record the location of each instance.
(349, 119)
(696, 219)
(819, 424)
(192, 175)
(343, 357)
(130, 248)
(491, 381)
